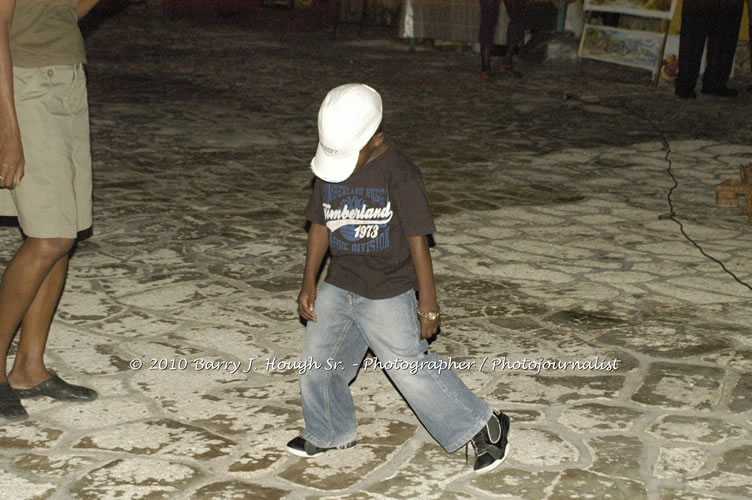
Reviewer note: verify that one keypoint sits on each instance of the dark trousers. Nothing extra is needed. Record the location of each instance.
(489, 16)
(716, 21)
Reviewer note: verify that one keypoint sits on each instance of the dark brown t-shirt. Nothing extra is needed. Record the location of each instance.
(369, 217)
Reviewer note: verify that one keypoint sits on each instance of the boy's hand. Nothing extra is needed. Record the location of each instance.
(306, 300)
(426, 288)
(428, 328)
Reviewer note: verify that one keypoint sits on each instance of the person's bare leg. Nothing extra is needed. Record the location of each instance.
(507, 64)
(489, 16)
(485, 61)
(515, 33)
(29, 368)
(508, 57)
(22, 281)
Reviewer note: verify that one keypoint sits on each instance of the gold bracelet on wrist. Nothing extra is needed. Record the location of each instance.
(433, 315)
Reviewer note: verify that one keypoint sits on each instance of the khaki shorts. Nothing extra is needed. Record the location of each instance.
(53, 199)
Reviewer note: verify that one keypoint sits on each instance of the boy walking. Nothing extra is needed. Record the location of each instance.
(370, 210)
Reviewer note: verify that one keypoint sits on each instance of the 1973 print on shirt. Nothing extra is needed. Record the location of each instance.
(369, 218)
(357, 218)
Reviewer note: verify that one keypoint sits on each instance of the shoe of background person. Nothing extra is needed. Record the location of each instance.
(303, 448)
(511, 70)
(685, 93)
(56, 388)
(10, 405)
(721, 91)
(491, 444)
(485, 72)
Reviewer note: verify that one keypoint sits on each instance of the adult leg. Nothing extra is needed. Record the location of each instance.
(29, 368)
(53, 202)
(515, 31)
(723, 36)
(489, 16)
(31, 286)
(450, 412)
(335, 346)
(694, 31)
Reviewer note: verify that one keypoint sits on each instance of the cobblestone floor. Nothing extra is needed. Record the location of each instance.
(549, 194)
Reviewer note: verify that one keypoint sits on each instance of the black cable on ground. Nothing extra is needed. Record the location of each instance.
(672, 214)
(667, 147)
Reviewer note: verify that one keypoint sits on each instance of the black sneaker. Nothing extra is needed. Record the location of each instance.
(303, 448)
(490, 444)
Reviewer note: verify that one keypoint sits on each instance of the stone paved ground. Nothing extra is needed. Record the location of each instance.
(552, 244)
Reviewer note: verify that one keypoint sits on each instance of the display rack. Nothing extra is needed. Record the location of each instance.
(635, 48)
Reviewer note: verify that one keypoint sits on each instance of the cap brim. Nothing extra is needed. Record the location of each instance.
(333, 168)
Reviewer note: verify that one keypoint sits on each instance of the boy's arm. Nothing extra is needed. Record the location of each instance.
(318, 244)
(11, 150)
(84, 6)
(421, 256)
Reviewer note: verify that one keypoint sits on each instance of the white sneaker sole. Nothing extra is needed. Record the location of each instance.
(300, 453)
(496, 463)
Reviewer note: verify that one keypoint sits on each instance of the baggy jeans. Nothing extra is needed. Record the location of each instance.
(347, 325)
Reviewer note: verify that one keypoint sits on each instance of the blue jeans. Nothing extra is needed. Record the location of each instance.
(337, 343)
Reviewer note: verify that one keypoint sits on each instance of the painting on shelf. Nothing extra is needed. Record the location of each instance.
(639, 49)
(662, 9)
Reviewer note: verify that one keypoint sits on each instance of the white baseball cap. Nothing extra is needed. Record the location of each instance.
(348, 118)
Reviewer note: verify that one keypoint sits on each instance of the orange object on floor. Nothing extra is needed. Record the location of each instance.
(728, 192)
(746, 174)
